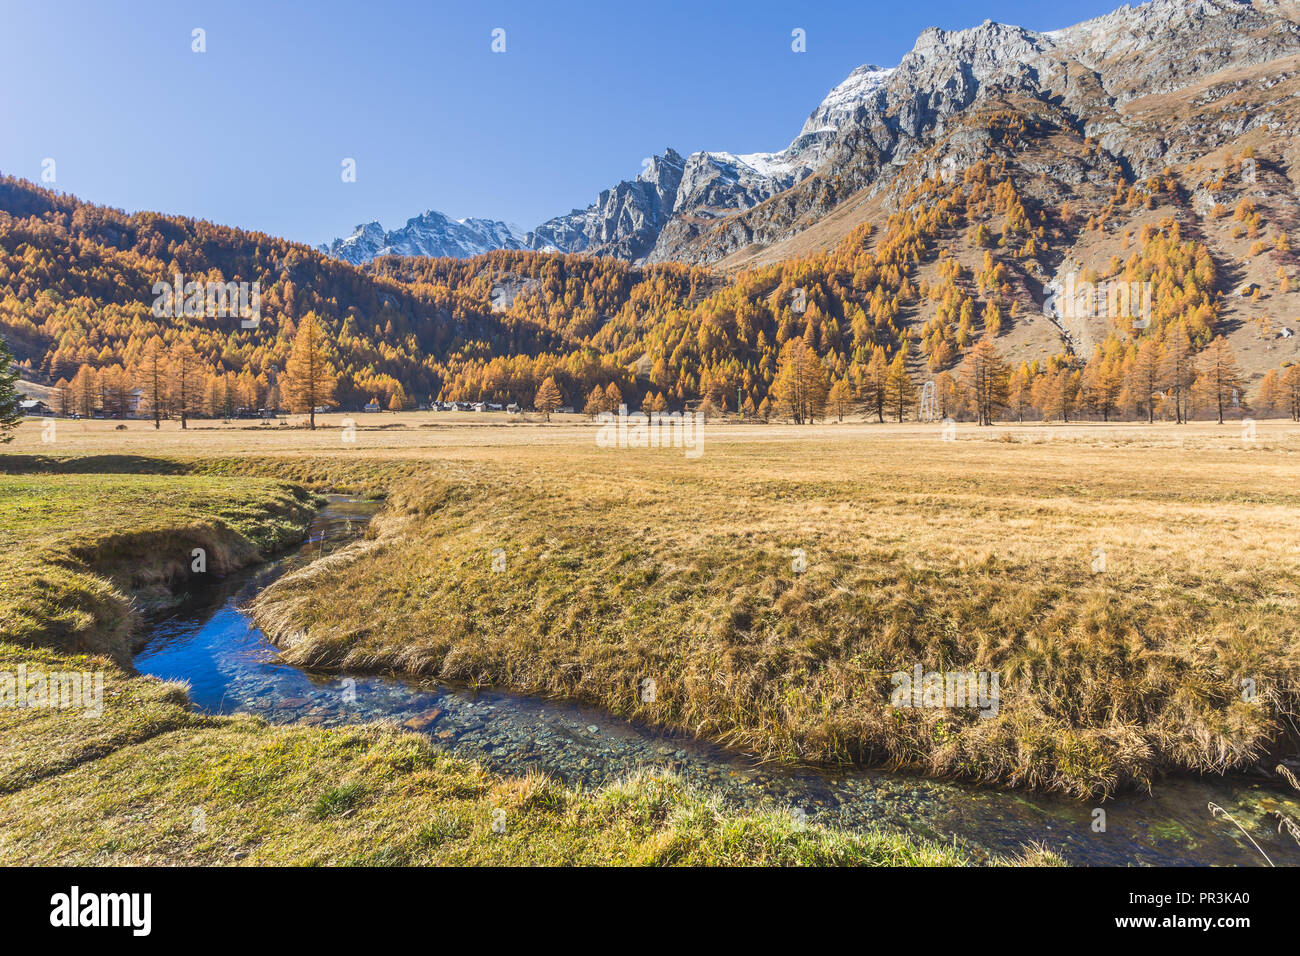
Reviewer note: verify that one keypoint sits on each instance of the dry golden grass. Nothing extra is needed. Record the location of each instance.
(142, 779)
(975, 554)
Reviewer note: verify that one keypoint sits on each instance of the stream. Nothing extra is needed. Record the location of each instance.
(211, 643)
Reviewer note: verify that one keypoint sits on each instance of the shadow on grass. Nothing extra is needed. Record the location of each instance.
(91, 464)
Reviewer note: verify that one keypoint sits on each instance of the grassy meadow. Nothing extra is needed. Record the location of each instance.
(87, 554)
(1128, 584)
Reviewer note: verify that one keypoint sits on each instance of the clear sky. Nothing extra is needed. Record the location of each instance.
(253, 132)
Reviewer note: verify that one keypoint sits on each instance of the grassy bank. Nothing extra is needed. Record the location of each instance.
(151, 782)
(1138, 598)
(83, 555)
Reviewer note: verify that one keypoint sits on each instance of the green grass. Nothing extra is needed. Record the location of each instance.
(375, 796)
(81, 555)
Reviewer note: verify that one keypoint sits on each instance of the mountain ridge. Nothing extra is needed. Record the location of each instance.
(431, 233)
(696, 208)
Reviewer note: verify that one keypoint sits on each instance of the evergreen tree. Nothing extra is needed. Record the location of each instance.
(10, 412)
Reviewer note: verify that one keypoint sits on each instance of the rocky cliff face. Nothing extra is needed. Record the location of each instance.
(674, 198)
(623, 221)
(1104, 78)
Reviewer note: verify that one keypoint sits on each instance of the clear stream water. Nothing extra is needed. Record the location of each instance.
(211, 643)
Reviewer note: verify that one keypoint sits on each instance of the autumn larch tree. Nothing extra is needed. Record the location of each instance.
(309, 379)
(1102, 383)
(595, 403)
(84, 388)
(1055, 394)
(986, 379)
(801, 383)
(186, 380)
(1179, 369)
(1145, 376)
(548, 397)
(1269, 397)
(874, 383)
(1218, 380)
(946, 394)
(1020, 392)
(10, 411)
(839, 398)
(151, 378)
(63, 397)
(901, 390)
(1291, 391)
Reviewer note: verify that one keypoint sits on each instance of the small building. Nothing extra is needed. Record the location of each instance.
(34, 406)
(513, 408)
(565, 410)
(373, 405)
(478, 407)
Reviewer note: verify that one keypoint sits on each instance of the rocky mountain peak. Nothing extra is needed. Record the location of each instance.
(429, 234)
(871, 123)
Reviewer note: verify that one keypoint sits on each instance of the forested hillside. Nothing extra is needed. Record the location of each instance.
(962, 261)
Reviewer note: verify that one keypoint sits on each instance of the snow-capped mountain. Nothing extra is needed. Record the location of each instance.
(627, 219)
(638, 218)
(1104, 76)
(431, 234)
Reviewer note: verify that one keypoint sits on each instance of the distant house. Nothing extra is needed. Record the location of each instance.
(479, 407)
(565, 410)
(494, 407)
(34, 406)
(513, 408)
(373, 405)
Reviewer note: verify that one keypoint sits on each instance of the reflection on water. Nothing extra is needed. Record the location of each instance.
(231, 668)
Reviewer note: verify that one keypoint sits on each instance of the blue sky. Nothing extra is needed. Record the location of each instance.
(253, 132)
